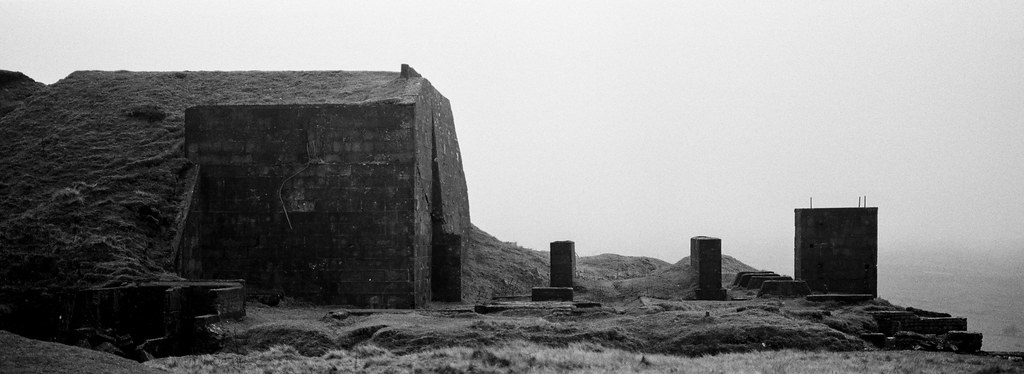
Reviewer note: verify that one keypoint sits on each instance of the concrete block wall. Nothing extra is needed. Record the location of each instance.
(836, 249)
(890, 322)
(441, 199)
(290, 201)
(935, 325)
(739, 275)
(783, 288)
(229, 302)
(361, 204)
(757, 280)
(164, 311)
(744, 280)
(563, 263)
(551, 294)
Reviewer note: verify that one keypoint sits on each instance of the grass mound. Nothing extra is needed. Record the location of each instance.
(15, 89)
(305, 339)
(23, 355)
(496, 268)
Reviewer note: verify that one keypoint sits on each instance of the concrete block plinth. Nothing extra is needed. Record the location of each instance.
(552, 294)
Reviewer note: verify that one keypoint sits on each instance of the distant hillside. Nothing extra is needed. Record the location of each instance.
(496, 268)
(672, 282)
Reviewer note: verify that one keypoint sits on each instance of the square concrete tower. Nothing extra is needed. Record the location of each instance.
(836, 250)
(563, 263)
(706, 259)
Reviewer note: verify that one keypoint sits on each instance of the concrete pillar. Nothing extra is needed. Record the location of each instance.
(563, 263)
(706, 259)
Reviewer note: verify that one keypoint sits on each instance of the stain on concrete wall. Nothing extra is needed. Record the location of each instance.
(836, 249)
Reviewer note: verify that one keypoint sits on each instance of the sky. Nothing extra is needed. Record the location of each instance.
(629, 127)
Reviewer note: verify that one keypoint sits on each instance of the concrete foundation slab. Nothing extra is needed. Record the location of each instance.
(784, 289)
(552, 294)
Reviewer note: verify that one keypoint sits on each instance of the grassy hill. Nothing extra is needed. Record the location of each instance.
(93, 172)
(15, 87)
(496, 268)
(92, 175)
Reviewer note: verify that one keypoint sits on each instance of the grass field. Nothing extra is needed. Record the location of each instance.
(661, 327)
(521, 357)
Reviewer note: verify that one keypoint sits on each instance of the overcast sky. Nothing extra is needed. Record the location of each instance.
(632, 126)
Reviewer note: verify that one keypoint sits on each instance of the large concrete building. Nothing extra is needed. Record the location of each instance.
(360, 203)
(836, 250)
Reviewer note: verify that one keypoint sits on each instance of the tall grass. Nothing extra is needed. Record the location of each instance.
(522, 357)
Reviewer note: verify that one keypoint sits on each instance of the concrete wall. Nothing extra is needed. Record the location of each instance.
(836, 249)
(441, 199)
(890, 322)
(350, 204)
(165, 315)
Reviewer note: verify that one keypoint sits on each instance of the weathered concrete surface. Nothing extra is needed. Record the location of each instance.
(784, 288)
(739, 276)
(158, 318)
(552, 294)
(745, 279)
(361, 204)
(706, 260)
(836, 249)
(954, 341)
(757, 280)
(890, 322)
(563, 263)
(840, 297)
(965, 341)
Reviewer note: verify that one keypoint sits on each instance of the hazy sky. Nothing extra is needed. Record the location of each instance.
(631, 126)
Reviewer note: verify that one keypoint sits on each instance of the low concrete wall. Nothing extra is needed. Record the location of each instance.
(784, 288)
(152, 319)
(756, 281)
(739, 276)
(229, 302)
(552, 294)
(891, 322)
(745, 279)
